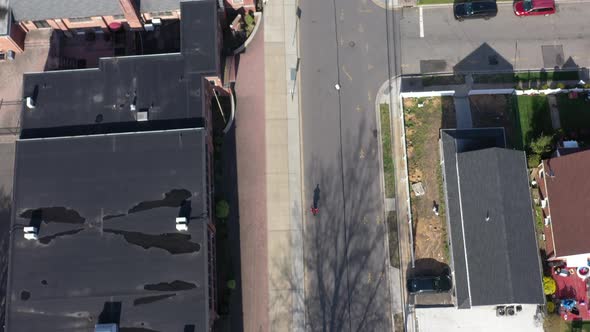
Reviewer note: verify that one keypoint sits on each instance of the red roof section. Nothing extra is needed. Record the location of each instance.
(567, 181)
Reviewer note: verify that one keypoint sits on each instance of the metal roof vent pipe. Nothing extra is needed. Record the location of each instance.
(30, 102)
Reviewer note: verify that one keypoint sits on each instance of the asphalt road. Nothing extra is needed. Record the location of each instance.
(358, 45)
(344, 42)
(517, 43)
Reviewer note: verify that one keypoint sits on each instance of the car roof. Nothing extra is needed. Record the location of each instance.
(543, 3)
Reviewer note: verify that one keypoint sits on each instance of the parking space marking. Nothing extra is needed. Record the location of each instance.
(421, 23)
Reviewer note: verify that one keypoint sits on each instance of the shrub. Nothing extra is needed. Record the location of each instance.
(560, 86)
(542, 145)
(231, 284)
(549, 286)
(533, 160)
(550, 307)
(222, 209)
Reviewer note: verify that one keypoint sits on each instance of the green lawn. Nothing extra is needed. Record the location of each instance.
(574, 115)
(388, 167)
(525, 77)
(532, 119)
(578, 327)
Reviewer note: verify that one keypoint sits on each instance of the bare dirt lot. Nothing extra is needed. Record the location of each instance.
(422, 133)
(494, 111)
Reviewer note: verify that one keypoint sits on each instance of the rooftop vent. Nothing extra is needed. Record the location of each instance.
(30, 103)
(31, 233)
(106, 328)
(500, 311)
(510, 311)
(181, 224)
(142, 115)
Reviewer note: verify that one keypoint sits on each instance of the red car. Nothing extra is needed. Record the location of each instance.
(534, 7)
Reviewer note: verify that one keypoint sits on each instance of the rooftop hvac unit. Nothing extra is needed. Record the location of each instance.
(544, 203)
(181, 224)
(500, 311)
(142, 115)
(148, 27)
(31, 233)
(547, 220)
(510, 311)
(156, 21)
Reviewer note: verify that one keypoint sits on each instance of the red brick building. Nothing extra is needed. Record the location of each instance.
(71, 16)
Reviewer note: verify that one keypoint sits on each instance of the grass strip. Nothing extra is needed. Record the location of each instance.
(388, 166)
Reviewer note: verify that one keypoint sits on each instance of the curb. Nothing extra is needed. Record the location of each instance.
(378, 102)
(379, 99)
(242, 48)
(233, 110)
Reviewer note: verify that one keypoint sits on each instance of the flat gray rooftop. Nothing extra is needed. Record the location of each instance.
(108, 250)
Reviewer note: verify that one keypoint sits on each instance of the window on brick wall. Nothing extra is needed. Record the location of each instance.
(41, 24)
(80, 19)
(118, 17)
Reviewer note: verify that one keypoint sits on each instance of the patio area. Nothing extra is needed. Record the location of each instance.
(572, 287)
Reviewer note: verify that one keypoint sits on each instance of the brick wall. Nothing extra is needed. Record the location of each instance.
(237, 4)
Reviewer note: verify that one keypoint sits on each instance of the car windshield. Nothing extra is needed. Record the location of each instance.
(527, 5)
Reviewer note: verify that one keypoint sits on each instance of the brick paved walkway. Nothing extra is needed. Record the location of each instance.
(251, 165)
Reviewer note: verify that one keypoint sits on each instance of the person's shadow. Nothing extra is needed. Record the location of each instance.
(316, 196)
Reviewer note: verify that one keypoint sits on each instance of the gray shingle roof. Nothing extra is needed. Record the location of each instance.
(495, 261)
(159, 5)
(32, 10)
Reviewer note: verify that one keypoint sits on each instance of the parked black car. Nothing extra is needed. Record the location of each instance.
(475, 9)
(430, 284)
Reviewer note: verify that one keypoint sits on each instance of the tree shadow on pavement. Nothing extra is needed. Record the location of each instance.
(344, 253)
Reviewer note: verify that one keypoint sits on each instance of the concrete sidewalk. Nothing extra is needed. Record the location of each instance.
(283, 168)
